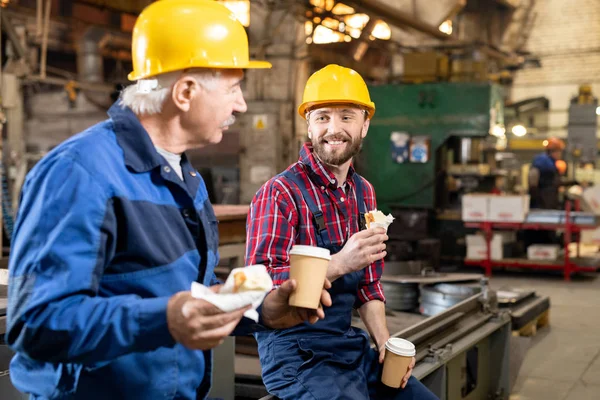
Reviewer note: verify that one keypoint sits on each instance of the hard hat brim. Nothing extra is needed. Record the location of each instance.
(255, 64)
(252, 64)
(313, 104)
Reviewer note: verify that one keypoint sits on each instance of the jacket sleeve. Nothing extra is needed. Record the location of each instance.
(60, 247)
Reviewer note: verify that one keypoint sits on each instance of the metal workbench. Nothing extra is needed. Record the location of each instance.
(7, 390)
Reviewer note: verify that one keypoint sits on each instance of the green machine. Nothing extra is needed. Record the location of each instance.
(417, 133)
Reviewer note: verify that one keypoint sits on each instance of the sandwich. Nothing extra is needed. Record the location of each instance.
(376, 219)
(243, 282)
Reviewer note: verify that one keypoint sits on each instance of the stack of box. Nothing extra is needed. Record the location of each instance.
(486, 207)
(543, 252)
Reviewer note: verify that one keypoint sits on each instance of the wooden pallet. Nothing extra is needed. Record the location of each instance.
(532, 326)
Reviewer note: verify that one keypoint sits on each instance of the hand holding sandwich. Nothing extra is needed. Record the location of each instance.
(363, 248)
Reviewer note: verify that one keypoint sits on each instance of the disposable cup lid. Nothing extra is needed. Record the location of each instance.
(401, 347)
(311, 251)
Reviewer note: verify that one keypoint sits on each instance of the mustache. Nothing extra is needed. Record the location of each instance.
(335, 137)
(229, 121)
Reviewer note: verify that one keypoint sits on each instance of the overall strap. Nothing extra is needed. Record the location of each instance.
(360, 200)
(318, 218)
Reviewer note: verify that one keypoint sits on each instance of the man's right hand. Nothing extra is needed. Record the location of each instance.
(198, 324)
(362, 249)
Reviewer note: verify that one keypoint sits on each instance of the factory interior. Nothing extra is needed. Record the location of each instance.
(491, 266)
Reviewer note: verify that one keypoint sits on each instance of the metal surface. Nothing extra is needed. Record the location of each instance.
(437, 298)
(7, 390)
(577, 218)
(401, 296)
(512, 296)
(223, 382)
(435, 277)
(438, 111)
(413, 267)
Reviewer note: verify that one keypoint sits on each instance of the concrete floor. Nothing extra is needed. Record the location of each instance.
(563, 361)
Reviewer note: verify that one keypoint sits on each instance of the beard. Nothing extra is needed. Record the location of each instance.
(336, 156)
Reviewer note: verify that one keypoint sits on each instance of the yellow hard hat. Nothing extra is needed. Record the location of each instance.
(172, 35)
(335, 84)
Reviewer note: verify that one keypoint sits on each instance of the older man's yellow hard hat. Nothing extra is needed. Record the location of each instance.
(172, 35)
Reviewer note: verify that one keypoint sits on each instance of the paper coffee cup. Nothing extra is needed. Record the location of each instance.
(398, 356)
(308, 266)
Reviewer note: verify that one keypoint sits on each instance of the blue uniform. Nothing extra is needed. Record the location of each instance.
(106, 232)
(546, 194)
(330, 359)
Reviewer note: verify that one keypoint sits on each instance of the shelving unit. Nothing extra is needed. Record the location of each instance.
(567, 264)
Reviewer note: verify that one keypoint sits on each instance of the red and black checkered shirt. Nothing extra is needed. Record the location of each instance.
(275, 222)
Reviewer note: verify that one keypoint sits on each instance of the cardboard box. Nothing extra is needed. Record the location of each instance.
(476, 247)
(591, 196)
(509, 208)
(543, 252)
(475, 207)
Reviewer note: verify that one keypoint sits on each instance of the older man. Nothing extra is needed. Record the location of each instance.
(115, 224)
(320, 201)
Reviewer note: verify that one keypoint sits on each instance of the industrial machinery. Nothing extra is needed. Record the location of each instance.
(427, 145)
(583, 124)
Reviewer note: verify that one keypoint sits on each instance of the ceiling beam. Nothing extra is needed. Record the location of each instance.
(393, 16)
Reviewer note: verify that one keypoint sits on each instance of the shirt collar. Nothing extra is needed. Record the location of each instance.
(138, 150)
(317, 171)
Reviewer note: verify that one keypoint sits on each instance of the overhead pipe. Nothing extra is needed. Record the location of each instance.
(397, 17)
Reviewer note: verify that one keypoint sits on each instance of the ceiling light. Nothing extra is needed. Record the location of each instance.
(498, 131)
(322, 35)
(342, 9)
(446, 27)
(308, 28)
(357, 21)
(519, 130)
(382, 31)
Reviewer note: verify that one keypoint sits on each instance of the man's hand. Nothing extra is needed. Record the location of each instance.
(408, 373)
(362, 249)
(198, 324)
(410, 367)
(381, 353)
(278, 314)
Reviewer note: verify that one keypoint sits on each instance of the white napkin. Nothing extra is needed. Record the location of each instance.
(228, 301)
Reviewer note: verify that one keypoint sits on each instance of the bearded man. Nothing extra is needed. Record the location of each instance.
(320, 201)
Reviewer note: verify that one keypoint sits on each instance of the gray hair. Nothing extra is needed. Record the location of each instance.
(147, 96)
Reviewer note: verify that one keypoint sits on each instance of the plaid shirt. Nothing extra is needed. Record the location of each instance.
(276, 222)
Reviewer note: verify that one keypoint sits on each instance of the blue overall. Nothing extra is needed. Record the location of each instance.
(330, 359)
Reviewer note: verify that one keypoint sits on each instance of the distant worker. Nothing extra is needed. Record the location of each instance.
(544, 176)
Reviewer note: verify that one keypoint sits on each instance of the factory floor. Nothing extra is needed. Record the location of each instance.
(563, 360)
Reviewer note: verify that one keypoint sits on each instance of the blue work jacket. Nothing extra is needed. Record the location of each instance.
(106, 232)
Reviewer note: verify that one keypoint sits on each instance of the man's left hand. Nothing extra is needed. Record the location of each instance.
(408, 373)
(278, 314)
(410, 367)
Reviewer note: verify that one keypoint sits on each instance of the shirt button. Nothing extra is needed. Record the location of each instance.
(342, 199)
(186, 213)
(193, 173)
(322, 187)
(167, 169)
